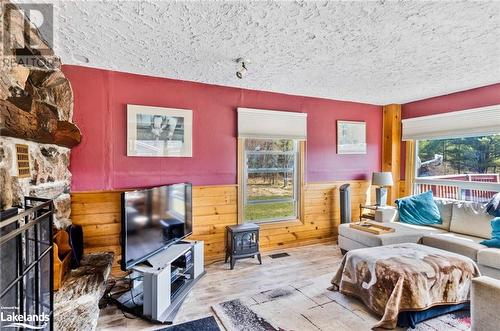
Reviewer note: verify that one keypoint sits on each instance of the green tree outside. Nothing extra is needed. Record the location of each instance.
(473, 155)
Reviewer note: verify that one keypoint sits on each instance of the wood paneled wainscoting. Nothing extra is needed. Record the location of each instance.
(215, 207)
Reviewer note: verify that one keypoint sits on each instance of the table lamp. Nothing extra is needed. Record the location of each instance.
(382, 180)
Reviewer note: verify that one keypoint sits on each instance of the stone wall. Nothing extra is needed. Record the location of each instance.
(36, 109)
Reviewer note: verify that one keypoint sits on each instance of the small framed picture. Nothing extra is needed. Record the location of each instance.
(351, 137)
(160, 132)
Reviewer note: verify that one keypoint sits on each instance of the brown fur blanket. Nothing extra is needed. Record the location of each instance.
(404, 277)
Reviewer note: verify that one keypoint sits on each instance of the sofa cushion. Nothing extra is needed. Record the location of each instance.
(422, 229)
(349, 244)
(489, 271)
(489, 257)
(445, 207)
(469, 218)
(454, 242)
(485, 292)
(405, 233)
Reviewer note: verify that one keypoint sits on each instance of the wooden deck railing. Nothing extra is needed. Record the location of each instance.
(475, 187)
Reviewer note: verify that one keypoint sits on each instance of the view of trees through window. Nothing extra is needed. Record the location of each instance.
(460, 156)
(270, 179)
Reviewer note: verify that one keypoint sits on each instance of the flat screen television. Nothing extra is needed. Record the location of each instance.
(153, 219)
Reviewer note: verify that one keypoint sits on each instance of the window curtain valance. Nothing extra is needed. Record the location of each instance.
(466, 123)
(259, 123)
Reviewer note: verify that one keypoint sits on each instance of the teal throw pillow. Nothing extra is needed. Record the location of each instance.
(419, 209)
(494, 242)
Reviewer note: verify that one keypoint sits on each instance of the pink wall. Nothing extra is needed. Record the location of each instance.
(100, 161)
(475, 98)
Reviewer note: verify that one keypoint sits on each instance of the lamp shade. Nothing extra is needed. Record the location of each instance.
(382, 179)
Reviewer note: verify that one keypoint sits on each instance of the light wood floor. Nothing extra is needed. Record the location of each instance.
(248, 277)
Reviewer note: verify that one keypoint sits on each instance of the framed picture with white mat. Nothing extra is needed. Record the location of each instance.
(159, 132)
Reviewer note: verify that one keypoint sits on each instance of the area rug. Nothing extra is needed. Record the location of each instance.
(202, 324)
(310, 306)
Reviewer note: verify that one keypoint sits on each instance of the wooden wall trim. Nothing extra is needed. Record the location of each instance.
(410, 167)
(132, 189)
(214, 208)
(241, 178)
(302, 181)
(353, 182)
(391, 147)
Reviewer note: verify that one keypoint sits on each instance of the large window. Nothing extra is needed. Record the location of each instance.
(270, 179)
(459, 168)
(474, 158)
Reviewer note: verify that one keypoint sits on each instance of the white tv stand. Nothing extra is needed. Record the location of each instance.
(163, 288)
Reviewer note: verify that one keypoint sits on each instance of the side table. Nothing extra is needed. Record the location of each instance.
(381, 214)
(242, 242)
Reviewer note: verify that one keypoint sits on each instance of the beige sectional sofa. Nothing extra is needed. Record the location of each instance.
(465, 225)
(484, 302)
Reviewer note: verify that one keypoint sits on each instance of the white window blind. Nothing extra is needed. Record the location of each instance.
(258, 123)
(466, 123)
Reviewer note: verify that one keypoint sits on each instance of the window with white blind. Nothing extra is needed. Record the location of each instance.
(475, 122)
(456, 155)
(270, 178)
(270, 164)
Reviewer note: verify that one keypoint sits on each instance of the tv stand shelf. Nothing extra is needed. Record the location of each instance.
(160, 292)
(160, 259)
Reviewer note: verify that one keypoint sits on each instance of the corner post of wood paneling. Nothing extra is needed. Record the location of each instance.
(241, 178)
(302, 181)
(410, 167)
(391, 146)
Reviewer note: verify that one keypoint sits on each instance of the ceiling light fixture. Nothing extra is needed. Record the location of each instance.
(241, 72)
(81, 58)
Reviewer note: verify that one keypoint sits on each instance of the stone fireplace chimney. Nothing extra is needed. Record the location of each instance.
(36, 111)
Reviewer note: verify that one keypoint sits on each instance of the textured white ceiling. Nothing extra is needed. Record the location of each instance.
(375, 52)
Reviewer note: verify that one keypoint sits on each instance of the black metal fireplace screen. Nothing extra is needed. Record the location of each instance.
(26, 274)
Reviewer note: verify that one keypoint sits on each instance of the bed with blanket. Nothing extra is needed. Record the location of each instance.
(403, 278)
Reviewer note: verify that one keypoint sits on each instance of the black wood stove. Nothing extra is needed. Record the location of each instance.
(242, 242)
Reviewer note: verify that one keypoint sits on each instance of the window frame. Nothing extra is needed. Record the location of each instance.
(413, 147)
(410, 166)
(299, 166)
(412, 180)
